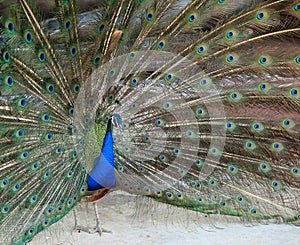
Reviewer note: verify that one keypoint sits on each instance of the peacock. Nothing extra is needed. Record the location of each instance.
(193, 103)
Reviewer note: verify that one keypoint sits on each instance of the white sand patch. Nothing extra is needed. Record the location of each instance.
(135, 220)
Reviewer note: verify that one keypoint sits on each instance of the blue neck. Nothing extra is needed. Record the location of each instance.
(102, 174)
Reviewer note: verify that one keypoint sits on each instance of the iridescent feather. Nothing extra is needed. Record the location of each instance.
(203, 96)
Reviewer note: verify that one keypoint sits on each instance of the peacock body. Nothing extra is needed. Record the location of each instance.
(192, 103)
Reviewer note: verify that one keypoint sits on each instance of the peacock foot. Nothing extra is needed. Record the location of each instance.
(97, 229)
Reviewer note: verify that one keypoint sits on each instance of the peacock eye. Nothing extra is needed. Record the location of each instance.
(101, 27)
(160, 45)
(230, 58)
(230, 34)
(67, 24)
(260, 15)
(41, 56)
(263, 60)
(168, 77)
(191, 18)
(6, 56)
(74, 51)
(294, 91)
(149, 17)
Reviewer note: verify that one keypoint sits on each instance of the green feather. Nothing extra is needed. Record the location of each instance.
(204, 97)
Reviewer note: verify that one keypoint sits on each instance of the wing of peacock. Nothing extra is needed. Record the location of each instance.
(207, 93)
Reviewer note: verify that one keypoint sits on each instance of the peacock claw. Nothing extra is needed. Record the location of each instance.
(89, 230)
(99, 230)
(102, 230)
(80, 228)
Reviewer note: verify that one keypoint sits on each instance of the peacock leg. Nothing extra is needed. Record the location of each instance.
(79, 227)
(98, 227)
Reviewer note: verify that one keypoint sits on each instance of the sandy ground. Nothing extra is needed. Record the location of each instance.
(136, 220)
